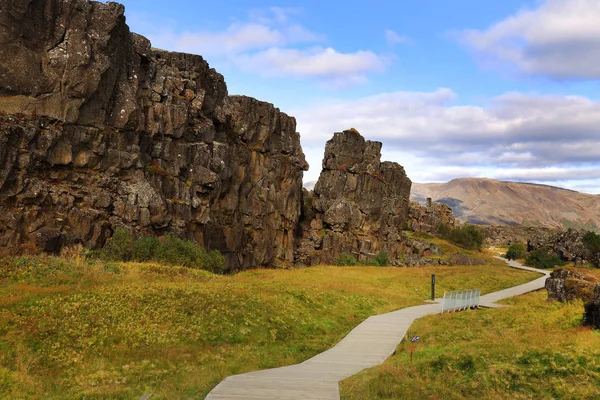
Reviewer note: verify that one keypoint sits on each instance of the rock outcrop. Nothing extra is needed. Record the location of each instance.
(567, 285)
(500, 235)
(430, 217)
(568, 245)
(359, 205)
(99, 130)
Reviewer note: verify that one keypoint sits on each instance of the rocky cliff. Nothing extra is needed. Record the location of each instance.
(359, 204)
(99, 130)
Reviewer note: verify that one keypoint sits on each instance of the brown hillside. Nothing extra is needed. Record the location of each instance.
(492, 202)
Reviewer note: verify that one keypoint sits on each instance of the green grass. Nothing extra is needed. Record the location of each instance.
(71, 330)
(530, 350)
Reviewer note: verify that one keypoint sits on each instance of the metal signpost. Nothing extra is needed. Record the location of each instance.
(433, 287)
(412, 346)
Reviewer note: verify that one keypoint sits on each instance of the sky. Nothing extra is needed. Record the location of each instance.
(502, 89)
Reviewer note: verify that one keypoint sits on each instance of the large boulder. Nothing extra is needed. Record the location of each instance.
(99, 130)
(359, 204)
(567, 285)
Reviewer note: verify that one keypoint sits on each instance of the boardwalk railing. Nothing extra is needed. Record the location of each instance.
(461, 300)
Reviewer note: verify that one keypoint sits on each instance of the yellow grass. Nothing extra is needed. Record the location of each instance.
(106, 331)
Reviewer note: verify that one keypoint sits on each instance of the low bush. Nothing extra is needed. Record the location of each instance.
(144, 248)
(516, 251)
(382, 259)
(591, 241)
(345, 259)
(118, 247)
(467, 236)
(169, 249)
(543, 258)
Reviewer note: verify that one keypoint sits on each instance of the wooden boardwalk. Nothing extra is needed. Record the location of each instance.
(367, 345)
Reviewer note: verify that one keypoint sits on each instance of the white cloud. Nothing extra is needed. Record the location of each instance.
(270, 43)
(393, 38)
(558, 39)
(514, 136)
(235, 39)
(326, 64)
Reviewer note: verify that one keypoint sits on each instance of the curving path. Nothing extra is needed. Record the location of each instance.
(367, 345)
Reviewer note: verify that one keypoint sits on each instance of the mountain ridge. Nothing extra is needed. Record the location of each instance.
(486, 201)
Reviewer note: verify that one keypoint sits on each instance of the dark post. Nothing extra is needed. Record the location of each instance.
(432, 287)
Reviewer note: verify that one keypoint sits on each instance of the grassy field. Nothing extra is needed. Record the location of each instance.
(530, 350)
(117, 331)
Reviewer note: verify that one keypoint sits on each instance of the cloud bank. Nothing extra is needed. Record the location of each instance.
(270, 43)
(559, 39)
(514, 136)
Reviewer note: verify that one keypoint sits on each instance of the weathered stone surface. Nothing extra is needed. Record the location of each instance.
(567, 285)
(359, 204)
(499, 235)
(567, 244)
(98, 130)
(430, 217)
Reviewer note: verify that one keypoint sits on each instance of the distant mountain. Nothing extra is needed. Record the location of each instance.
(492, 202)
(309, 185)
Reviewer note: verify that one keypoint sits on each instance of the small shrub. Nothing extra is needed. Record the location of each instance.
(345, 259)
(144, 248)
(467, 237)
(382, 259)
(543, 258)
(591, 241)
(118, 247)
(214, 262)
(174, 250)
(515, 251)
(73, 253)
(170, 250)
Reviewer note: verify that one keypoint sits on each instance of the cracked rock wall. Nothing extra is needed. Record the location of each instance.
(359, 205)
(99, 130)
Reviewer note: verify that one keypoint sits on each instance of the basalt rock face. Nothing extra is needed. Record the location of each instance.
(99, 130)
(502, 235)
(430, 217)
(567, 244)
(359, 204)
(567, 285)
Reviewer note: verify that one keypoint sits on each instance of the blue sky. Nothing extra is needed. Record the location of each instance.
(503, 89)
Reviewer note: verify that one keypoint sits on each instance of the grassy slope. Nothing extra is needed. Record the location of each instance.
(530, 350)
(109, 331)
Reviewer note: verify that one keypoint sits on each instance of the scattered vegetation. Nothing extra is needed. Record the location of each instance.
(169, 249)
(466, 236)
(118, 330)
(591, 240)
(345, 259)
(491, 354)
(382, 259)
(543, 258)
(516, 251)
